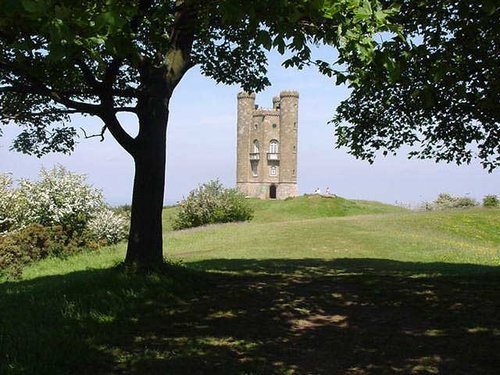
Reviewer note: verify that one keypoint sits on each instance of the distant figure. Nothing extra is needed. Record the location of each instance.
(327, 191)
(317, 191)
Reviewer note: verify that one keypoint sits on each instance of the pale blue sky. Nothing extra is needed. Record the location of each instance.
(202, 146)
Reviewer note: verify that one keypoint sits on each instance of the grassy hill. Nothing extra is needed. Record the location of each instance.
(314, 207)
(322, 227)
(311, 285)
(303, 207)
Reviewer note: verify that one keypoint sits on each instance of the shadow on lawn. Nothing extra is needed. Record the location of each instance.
(310, 316)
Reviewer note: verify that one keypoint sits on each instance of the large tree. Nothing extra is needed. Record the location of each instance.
(435, 86)
(103, 57)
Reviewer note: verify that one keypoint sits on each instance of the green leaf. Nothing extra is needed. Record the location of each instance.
(341, 78)
(363, 13)
(30, 6)
(264, 39)
(490, 6)
(279, 43)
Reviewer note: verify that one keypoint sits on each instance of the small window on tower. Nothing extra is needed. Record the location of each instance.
(293, 173)
(273, 171)
(274, 126)
(255, 126)
(273, 146)
(254, 165)
(256, 146)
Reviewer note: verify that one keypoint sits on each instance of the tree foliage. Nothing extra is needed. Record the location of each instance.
(102, 57)
(435, 89)
(94, 57)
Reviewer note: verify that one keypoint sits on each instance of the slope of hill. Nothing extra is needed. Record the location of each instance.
(304, 288)
(303, 207)
(317, 227)
(315, 206)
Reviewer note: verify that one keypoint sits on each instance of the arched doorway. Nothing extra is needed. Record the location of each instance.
(272, 191)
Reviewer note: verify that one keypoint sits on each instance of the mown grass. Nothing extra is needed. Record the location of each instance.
(314, 207)
(300, 208)
(351, 287)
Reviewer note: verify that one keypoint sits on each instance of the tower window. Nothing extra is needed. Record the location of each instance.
(256, 146)
(273, 170)
(254, 165)
(274, 126)
(255, 126)
(274, 146)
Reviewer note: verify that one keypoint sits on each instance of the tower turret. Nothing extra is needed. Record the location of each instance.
(246, 107)
(289, 114)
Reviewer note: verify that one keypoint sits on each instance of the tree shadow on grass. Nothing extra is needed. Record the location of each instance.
(223, 316)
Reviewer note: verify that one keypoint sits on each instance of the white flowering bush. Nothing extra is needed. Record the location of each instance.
(212, 203)
(107, 226)
(446, 201)
(59, 197)
(57, 215)
(7, 203)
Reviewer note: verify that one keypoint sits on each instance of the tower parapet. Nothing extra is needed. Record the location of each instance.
(267, 146)
(288, 94)
(244, 94)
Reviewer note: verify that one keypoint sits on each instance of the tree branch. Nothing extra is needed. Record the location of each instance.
(181, 42)
(101, 134)
(88, 75)
(111, 73)
(125, 109)
(37, 87)
(117, 131)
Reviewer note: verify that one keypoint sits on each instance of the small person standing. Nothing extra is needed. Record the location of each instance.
(327, 191)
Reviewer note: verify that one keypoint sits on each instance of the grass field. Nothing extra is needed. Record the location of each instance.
(311, 286)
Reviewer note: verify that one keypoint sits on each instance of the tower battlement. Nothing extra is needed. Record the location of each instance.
(265, 112)
(245, 94)
(285, 94)
(267, 146)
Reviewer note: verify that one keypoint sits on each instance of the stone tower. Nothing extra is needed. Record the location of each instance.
(267, 147)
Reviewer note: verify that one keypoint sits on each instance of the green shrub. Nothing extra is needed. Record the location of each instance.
(447, 201)
(124, 210)
(32, 243)
(212, 203)
(491, 201)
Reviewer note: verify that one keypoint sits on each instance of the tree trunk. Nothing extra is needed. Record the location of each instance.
(145, 244)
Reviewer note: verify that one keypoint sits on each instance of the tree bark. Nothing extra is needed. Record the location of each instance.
(158, 81)
(145, 244)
